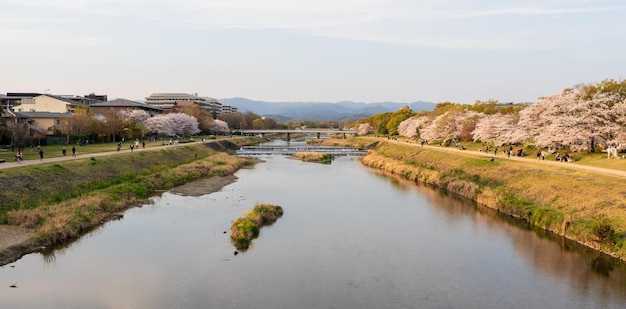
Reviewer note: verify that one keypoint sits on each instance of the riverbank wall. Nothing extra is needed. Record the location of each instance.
(587, 207)
(58, 202)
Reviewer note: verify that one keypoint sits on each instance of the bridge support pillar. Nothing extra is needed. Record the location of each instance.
(288, 136)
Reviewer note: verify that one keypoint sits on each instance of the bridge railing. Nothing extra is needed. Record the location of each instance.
(281, 150)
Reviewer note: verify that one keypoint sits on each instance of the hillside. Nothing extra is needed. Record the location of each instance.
(286, 111)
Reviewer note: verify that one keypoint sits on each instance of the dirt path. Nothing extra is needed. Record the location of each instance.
(501, 156)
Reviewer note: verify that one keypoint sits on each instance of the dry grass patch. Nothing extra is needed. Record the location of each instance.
(313, 156)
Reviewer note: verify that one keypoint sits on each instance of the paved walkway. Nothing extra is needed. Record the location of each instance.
(13, 164)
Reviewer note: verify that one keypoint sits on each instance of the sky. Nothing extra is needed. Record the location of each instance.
(324, 50)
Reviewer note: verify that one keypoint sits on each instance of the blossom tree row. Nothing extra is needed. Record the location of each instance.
(580, 118)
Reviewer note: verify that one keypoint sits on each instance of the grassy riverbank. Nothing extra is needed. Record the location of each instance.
(585, 206)
(60, 201)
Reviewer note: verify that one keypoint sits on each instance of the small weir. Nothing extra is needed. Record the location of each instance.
(291, 150)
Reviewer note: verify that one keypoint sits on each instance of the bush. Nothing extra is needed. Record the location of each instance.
(605, 233)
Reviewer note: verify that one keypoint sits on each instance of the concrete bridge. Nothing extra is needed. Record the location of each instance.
(317, 132)
(291, 150)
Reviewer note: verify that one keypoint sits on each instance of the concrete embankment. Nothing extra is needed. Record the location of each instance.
(585, 206)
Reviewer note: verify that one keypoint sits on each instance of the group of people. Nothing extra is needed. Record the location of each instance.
(508, 151)
(19, 155)
(131, 145)
(563, 157)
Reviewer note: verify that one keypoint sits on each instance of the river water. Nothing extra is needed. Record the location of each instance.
(350, 237)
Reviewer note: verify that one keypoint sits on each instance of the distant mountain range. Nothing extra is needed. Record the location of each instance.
(347, 110)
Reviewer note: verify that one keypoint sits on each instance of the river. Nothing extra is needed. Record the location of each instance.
(351, 237)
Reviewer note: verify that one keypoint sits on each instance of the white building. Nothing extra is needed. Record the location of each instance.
(170, 100)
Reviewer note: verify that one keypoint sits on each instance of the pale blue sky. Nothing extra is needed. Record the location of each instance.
(323, 50)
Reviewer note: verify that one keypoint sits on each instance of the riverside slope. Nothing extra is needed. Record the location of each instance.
(149, 170)
(571, 200)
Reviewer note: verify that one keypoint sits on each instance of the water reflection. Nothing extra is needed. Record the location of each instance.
(591, 272)
(350, 237)
(50, 253)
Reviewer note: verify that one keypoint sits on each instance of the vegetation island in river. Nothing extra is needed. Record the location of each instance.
(246, 228)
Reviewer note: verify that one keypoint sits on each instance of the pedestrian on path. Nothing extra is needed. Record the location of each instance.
(64, 152)
(73, 151)
(40, 154)
(18, 156)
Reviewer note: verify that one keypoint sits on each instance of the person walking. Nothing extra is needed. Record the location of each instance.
(64, 152)
(40, 154)
(73, 151)
(18, 156)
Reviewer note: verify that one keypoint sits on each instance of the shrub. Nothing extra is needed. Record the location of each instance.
(605, 233)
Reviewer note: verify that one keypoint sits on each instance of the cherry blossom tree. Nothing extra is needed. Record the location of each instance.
(219, 126)
(136, 115)
(497, 128)
(160, 124)
(364, 129)
(450, 125)
(412, 126)
(182, 124)
(572, 119)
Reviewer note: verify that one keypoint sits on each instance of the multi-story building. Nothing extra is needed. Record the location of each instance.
(168, 100)
(171, 100)
(13, 99)
(123, 104)
(54, 103)
(227, 109)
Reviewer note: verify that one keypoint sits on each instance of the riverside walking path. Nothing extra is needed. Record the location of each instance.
(501, 156)
(14, 164)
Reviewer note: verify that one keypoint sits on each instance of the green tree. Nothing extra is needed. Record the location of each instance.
(397, 117)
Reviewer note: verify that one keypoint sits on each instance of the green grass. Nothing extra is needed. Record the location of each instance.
(55, 151)
(245, 229)
(61, 201)
(29, 186)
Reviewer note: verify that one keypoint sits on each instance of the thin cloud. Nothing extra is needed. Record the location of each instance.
(362, 20)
